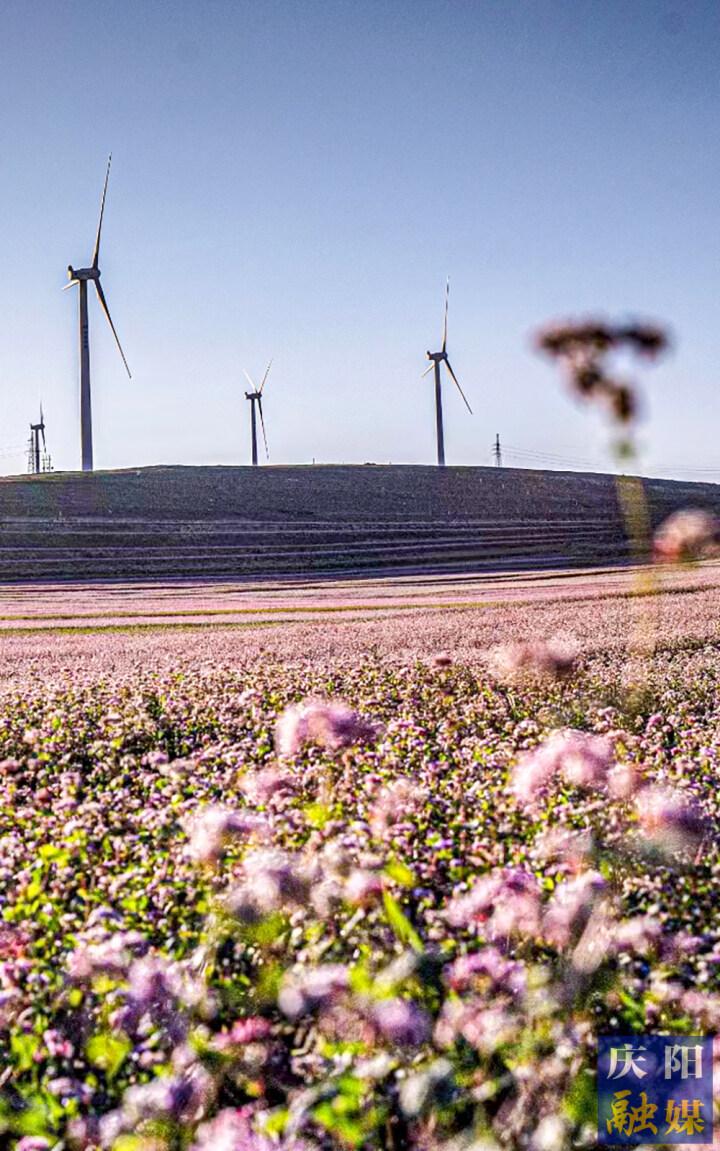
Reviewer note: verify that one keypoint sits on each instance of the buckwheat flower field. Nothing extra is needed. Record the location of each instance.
(375, 878)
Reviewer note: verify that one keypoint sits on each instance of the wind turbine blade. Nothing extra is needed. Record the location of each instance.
(447, 297)
(70, 284)
(96, 253)
(262, 425)
(103, 305)
(267, 373)
(427, 370)
(447, 365)
(249, 380)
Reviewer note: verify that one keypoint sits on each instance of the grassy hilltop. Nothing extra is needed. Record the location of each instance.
(235, 521)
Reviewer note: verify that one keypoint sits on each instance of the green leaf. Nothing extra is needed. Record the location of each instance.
(23, 1047)
(108, 1052)
(317, 815)
(400, 923)
(400, 873)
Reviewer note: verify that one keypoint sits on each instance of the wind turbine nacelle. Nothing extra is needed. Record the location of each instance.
(83, 273)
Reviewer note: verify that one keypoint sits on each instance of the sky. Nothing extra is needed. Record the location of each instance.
(296, 178)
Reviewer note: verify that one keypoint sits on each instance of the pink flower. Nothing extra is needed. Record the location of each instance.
(308, 990)
(689, 534)
(57, 1046)
(581, 760)
(231, 1130)
(394, 804)
(363, 887)
(331, 724)
(570, 908)
(110, 954)
(623, 781)
(488, 966)
(638, 935)
(261, 786)
(442, 659)
(669, 820)
(401, 1022)
(13, 941)
(213, 827)
(563, 843)
(243, 1031)
(554, 657)
(485, 1026)
(273, 880)
(505, 902)
(156, 758)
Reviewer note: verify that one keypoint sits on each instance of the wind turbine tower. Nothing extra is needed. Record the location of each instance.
(438, 358)
(255, 398)
(81, 277)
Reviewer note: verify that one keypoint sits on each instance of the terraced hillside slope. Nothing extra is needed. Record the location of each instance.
(230, 522)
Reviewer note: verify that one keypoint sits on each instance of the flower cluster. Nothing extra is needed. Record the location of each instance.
(689, 534)
(583, 346)
(345, 934)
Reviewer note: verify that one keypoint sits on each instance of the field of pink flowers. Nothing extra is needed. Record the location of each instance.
(366, 879)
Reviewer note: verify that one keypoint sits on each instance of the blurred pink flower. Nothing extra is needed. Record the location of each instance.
(580, 759)
(566, 844)
(214, 826)
(401, 1022)
(363, 887)
(638, 935)
(485, 1026)
(689, 534)
(505, 902)
(487, 966)
(442, 659)
(13, 941)
(394, 804)
(553, 657)
(273, 879)
(261, 786)
(670, 821)
(330, 723)
(250, 1030)
(623, 781)
(232, 1130)
(570, 908)
(108, 954)
(309, 989)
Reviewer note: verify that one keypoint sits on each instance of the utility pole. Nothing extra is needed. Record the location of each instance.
(497, 452)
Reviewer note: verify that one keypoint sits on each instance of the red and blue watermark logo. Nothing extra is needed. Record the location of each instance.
(655, 1089)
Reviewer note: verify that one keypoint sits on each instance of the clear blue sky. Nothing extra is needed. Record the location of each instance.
(295, 178)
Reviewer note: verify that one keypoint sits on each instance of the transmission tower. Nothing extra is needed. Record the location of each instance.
(38, 461)
(497, 452)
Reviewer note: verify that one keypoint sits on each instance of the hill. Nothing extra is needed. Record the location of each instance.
(232, 522)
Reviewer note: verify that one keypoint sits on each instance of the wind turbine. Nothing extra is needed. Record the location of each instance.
(438, 358)
(81, 276)
(36, 431)
(255, 397)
